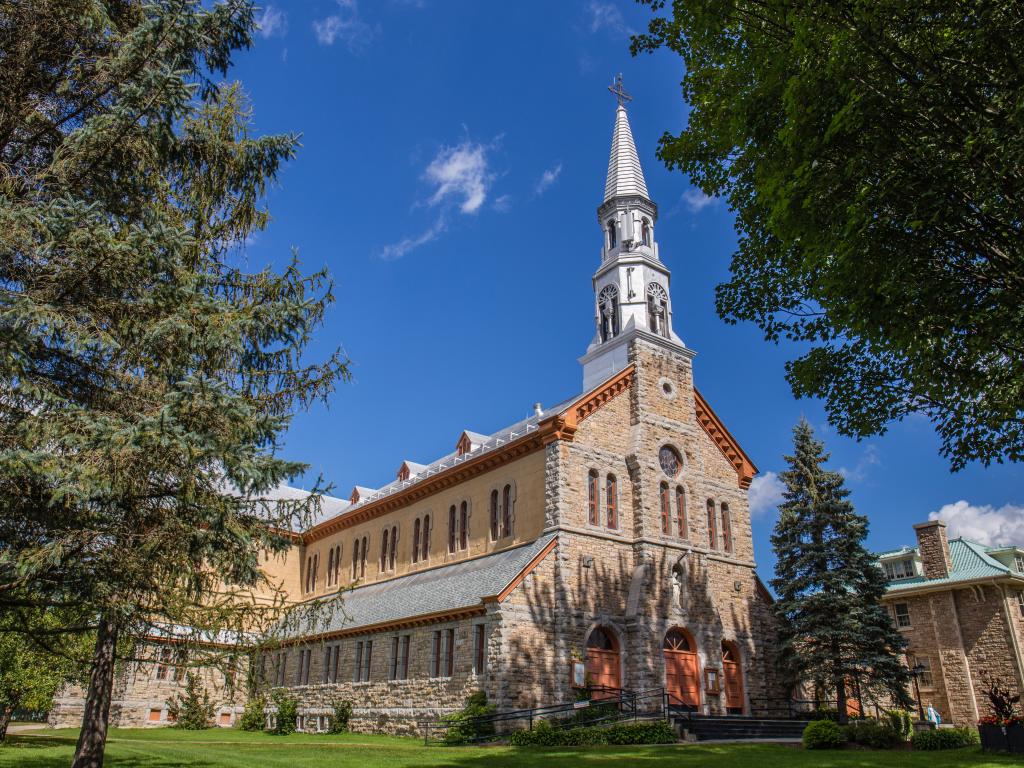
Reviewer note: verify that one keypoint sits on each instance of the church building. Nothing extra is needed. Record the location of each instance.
(604, 542)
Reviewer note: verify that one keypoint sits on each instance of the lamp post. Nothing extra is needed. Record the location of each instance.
(917, 670)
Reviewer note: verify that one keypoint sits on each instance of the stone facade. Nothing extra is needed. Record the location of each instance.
(959, 606)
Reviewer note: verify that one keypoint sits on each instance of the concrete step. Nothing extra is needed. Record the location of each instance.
(739, 728)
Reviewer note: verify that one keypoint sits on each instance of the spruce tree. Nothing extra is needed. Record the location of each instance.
(833, 629)
(147, 376)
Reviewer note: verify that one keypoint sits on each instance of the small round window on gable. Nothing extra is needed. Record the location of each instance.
(670, 460)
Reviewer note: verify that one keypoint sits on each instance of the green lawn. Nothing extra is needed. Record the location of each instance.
(216, 748)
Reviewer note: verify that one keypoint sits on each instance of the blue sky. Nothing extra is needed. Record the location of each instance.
(453, 155)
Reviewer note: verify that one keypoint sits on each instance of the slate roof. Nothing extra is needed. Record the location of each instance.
(625, 176)
(970, 562)
(448, 588)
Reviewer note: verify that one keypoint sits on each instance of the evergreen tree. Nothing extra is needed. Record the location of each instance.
(192, 709)
(833, 629)
(146, 376)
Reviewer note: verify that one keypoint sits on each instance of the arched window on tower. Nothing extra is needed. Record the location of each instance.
(726, 528)
(355, 558)
(362, 555)
(330, 566)
(681, 512)
(645, 232)
(416, 540)
(452, 529)
(592, 514)
(611, 501)
(384, 549)
(712, 532)
(665, 509)
(506, 511)
(657, 309)
(463, 525)
(608, 306)
(425, 542)
(394, 547)
(612, 238)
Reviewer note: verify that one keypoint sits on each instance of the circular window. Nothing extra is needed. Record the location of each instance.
(667, 389)
(670, 460)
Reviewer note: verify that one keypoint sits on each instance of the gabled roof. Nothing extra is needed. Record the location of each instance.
(625, 176)
(970, 562)
(447, 591)
(726, 443)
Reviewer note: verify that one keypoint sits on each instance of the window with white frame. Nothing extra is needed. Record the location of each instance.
(923, 665)
(899, 569)
(901, 613)
(1018, 561)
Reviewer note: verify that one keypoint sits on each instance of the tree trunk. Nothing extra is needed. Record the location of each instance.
(5, 719)
(841, 698)
(92, 741)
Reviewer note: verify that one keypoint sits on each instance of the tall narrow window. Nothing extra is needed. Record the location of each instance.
(335, 663)
(425, 541)
(337, 564)
(726, 528)
(394, 547)
(452, 529)
(592, 513)
(393, 659)
(330, 567)
(162, 667)
(384, 549)
(681, 512)
(479, 648)
(712, 532)
(355, 558)
(316, 567)
(357, 667)
(506, 511)
(362, 556)
(611, 501)
(403, 657)
(608, 312)
(463, 525)
(416, 540)
(664, 508)
(367, 655)
(612, 239)
(448, 651)
(435, 654)
(494, 514)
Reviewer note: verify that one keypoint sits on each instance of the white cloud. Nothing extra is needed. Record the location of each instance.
(868, 459)
(271, 22)
(765, 493)
(502, 203)
(696, 200)
(984, 524)
(460, 173)
(402, 247)
(346, 25)
(606, 15)
(549, 177)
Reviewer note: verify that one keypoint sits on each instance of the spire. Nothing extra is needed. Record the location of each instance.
(625, 176)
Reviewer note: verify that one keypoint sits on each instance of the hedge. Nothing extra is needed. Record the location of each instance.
(945, 738)
(644, 732)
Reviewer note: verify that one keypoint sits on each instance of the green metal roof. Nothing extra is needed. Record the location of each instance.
(970, 562)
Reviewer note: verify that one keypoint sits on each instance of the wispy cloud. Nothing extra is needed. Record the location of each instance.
(985, 524)
(460, 174)
(502, 203)
(695, 200)
(765, 493)
(868, 459)
(346, 25)
(607, 16)
(461, 180)
(549, 177)
(272, 22)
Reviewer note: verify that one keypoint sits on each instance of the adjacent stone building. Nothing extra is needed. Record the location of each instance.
(960, 606)
(604, 540)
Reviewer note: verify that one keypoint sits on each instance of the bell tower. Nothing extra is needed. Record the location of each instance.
(631, 285)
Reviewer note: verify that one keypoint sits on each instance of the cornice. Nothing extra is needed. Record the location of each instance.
(726, 443)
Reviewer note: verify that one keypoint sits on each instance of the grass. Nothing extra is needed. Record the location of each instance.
(219, 748)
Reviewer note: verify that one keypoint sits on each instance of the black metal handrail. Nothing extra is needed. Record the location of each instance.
(606, 705)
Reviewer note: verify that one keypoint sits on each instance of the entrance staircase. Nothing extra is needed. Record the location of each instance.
(739, 728)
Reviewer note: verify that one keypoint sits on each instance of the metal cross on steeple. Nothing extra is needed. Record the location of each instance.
(620, 93)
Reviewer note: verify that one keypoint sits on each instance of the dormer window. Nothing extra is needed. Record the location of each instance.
(899, 569)
(1018, 562)
(612, 240)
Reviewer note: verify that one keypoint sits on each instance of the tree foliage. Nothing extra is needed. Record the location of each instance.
(191, 709)
(873, 153)
(146, 376)
(833, 629)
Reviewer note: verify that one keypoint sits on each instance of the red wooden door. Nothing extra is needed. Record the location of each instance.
(682, 681)
(603, 663)
(733, 678)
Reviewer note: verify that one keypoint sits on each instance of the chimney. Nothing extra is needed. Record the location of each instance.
(934, 546)
(537, 410)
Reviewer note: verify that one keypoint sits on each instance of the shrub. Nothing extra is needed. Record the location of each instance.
(253, 717)
(823, 734)
(287, 713)
(546, 735)
(193, 709)
(901, 723)
(464, 726)
(944, 738)
(649, 732)
(342, 714)
(871, 733)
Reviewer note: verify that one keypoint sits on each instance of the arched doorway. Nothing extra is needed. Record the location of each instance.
(603, 661)
(733, 678)
(681, 679)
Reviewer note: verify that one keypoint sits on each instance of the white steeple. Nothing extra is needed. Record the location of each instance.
(631, 286)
